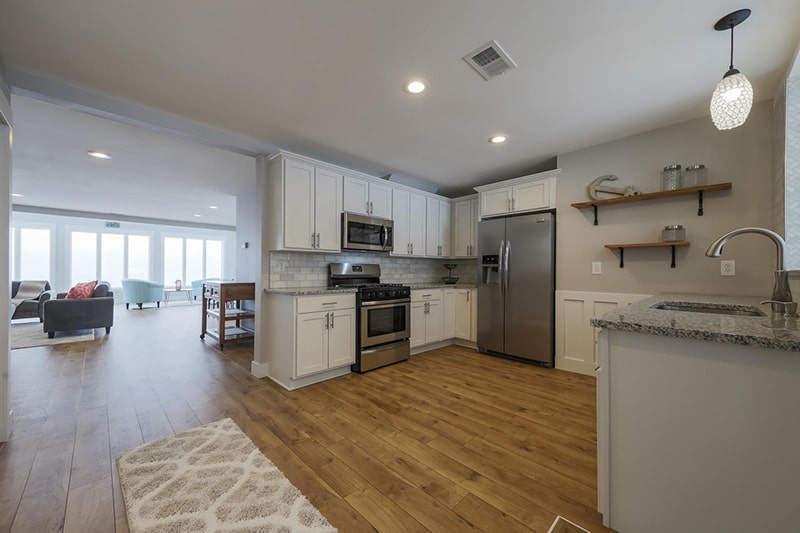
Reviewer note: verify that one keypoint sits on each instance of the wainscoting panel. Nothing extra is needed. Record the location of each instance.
(576, 340)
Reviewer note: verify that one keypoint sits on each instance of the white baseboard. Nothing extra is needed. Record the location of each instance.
(259, 370)
(296, 383)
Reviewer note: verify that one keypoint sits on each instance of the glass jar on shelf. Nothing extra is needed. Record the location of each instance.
(695, 176)
(671, 178)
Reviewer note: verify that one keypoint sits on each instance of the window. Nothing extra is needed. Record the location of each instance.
(191, 259)
(213, 259)
(112, 258)
(84, 257)
(194, 260)
(139, 256)
(34, 254)
(173, 260)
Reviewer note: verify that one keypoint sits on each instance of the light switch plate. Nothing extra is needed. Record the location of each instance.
(597, 267)
(727, 267)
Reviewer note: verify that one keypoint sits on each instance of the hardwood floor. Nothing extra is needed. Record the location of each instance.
(451, 440)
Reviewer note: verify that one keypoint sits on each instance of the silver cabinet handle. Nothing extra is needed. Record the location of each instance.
(312, 240)
(317, 240)
(468, 294)
(332, 316)
(329, 303)
(371, 208)
(427, 295)
(512, 203)
(412, 248)
(367, 208)
(327, 320)
(509, 204)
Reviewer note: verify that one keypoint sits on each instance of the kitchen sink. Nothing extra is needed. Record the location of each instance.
(717, 309)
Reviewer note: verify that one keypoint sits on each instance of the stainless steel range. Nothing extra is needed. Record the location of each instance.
(383, 315)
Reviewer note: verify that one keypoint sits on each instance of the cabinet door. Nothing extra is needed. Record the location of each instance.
(496, 201)
(463, 222)
(400, 206)
(418, 317)
(449, 314)
(433, 323)
(328, 219)
(533, 195)
(432, 227)
(298, 205)
(463, 314)
(342, 338)
(312, 344)
(356, 195)
(416, 224)
(380, 200)
(444, 228)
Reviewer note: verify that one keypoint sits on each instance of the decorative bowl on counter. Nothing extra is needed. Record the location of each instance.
(450, 280)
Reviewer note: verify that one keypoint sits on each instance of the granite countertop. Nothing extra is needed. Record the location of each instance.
(768, 331)
(435, 285)
(309, 291)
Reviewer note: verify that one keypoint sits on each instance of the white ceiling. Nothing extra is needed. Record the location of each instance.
(149, 174)
(324, 77)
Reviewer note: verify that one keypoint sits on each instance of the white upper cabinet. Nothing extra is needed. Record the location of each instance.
(301, 212)
(437, 240)
(528, 193)
(465, 227)
(408, 213)
(367, 197)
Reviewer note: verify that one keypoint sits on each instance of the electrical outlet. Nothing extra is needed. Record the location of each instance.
(597, 267)
(727, 268)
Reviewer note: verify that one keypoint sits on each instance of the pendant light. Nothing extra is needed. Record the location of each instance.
(733, 97)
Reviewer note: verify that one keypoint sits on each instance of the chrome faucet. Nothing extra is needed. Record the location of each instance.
(781, 293)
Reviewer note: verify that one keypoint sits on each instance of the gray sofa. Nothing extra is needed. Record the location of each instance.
(29, 297)
(62, 314)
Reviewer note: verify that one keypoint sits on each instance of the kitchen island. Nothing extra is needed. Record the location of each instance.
(698, 421)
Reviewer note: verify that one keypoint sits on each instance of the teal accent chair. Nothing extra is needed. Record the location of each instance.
(141, 291)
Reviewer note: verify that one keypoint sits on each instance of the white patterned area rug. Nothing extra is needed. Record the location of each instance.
(211, 479)
(32, 334)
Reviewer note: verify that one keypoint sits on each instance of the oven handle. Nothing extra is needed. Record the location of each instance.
(386, 303)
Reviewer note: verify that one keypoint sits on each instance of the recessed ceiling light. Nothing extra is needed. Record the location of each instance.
(99, 155)
(17, 195)
(416, 86)
(497, 139)
(213, 207)
(197, 215)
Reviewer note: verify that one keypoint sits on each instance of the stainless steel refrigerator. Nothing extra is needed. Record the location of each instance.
(516, 286)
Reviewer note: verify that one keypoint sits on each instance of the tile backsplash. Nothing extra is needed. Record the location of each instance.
(299, 269)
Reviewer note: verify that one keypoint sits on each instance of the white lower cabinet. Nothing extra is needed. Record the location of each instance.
(426, 317)
(325, 339)
(309, 338)
(443, 314)
(460, 314)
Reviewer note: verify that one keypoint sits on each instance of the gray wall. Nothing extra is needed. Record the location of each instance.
(248, 260)
(742, 156)
(791, 161)
(5, 226)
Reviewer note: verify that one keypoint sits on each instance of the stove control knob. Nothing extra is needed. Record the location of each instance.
(392, 294)
(381, 294)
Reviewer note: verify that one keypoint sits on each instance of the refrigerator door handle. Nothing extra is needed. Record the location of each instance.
(500, 268)
(507, 261)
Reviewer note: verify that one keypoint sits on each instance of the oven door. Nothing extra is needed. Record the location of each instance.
(367, 233)
(383, 322)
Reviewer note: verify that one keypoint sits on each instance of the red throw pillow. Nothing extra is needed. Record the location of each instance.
(82, 290)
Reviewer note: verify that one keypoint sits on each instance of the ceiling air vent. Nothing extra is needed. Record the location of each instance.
(490, 60)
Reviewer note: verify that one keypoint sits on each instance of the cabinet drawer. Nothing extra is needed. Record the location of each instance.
(420, 295)
(325, 302)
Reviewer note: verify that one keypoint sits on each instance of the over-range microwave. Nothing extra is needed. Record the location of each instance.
(361, 232)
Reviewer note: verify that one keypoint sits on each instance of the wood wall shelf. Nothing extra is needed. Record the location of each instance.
(594, 204)
(621, 248)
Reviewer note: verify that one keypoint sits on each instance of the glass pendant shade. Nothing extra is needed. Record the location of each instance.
(731, 101)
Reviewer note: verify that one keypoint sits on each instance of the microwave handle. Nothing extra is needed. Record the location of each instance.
(384, 235)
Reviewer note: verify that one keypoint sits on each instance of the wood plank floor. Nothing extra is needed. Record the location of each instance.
(450, 441)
